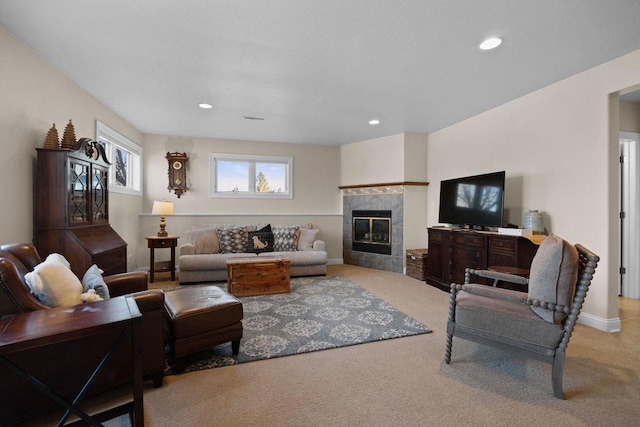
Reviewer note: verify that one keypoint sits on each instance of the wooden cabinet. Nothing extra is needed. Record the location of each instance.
(72, 209)
(451, 251)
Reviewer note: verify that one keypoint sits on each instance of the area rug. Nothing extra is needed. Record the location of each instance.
(320, 313)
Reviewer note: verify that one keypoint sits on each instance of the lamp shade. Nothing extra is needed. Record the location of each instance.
(162, 208)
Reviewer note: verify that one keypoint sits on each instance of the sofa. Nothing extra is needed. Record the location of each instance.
(203, 258)
(65, 367)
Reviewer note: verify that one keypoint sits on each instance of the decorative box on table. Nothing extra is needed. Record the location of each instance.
(417, 263)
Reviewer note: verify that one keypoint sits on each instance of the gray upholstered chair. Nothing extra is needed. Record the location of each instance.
(537, 324)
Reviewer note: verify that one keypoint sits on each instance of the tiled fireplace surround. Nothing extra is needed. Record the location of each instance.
(374, 198)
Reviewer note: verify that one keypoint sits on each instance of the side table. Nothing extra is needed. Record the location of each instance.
(155, 242)
(38, 329)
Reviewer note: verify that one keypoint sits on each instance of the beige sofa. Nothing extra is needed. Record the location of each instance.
(204, 257)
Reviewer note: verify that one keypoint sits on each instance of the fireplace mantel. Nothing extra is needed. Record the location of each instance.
(383, 184)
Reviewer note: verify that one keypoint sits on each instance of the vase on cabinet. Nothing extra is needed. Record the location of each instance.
(533, 220)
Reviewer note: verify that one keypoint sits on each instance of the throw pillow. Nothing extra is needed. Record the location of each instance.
(285, 238)
(204, 240)
(59, 287)
(266, 228)
(260, 241)
(35, 283)
(306, 239)
(235, 240)
(553, 276)
(92, 279)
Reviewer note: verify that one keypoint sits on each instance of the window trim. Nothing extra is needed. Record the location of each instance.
(252, 159)
(116, 140)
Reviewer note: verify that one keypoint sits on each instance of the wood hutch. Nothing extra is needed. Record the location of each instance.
(453, 250)
(72, 209)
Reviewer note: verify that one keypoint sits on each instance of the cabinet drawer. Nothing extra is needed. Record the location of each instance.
(436, 236)
(503, 244)
(112, 262)
(461, 239)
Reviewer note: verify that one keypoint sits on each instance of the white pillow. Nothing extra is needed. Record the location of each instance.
(306, 239)
(33, 279)
(59, 287)
(204, 240)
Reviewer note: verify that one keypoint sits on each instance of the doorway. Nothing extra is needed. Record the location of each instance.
(629, 284)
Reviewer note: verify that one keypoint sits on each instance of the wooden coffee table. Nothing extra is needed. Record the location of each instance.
(258, 276)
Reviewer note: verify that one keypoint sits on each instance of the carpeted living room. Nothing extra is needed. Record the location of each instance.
(329, 133)
(405, 382)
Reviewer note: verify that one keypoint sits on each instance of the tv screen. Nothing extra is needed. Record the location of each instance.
(474, 201)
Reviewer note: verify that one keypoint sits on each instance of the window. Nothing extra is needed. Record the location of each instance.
(126, 160)
(247, 176)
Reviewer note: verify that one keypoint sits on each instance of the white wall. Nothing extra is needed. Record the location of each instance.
(374, 161)
(559, 151)
(630, 117)
(316, 196)
(35, 95)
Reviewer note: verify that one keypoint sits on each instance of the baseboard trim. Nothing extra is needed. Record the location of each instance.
(607, 325)
(335, 261)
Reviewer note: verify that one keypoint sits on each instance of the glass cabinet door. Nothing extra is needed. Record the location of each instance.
(100, 193)
(78, 192)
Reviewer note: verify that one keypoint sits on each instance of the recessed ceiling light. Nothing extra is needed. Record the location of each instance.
(374, 122)
(490, 43)
(253, 118)
(205, 105)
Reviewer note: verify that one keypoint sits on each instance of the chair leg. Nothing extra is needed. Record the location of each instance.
(235, 346)
(556, 373)
(447, 352)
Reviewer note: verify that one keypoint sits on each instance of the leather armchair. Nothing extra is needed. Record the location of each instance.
(76, 359)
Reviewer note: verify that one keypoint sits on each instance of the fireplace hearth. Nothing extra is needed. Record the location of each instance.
(371, 231)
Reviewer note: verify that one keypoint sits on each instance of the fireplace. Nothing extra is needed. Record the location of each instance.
(371, 231)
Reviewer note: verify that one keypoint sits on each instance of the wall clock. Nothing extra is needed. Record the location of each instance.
(177, 173)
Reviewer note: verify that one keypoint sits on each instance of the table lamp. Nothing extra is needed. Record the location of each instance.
(163, 209)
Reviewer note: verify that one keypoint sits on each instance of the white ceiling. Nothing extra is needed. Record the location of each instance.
(317, 70)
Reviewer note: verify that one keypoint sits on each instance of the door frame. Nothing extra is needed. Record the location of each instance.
(629, 283)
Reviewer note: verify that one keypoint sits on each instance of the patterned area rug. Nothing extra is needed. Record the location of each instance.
(320, 313)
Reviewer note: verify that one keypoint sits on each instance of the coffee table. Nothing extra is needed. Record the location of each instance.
(261, 275)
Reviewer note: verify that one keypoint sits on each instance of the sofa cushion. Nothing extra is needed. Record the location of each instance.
(553, 276)
(204, 240)
(234, 240)
(285, 238)
(260, 241)
(306, 239)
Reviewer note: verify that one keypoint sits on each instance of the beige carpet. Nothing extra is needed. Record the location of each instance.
(404, 382)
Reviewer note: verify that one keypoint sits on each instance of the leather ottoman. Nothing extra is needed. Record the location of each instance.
(199, 318)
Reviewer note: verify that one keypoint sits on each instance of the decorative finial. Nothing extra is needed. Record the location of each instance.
(52, 140)
(69, 137)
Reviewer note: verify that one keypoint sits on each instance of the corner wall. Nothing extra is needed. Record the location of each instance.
(558, 147)
(35, 95)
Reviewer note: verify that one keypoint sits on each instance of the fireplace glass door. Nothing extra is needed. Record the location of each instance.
(371, 233)
(371, 230)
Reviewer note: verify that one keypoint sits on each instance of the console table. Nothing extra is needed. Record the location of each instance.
(36, 330)
(453, 250)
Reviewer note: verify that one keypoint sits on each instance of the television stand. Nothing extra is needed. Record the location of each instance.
(451, 251)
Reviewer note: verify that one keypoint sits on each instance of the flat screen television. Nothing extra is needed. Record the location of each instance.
(473, 201)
